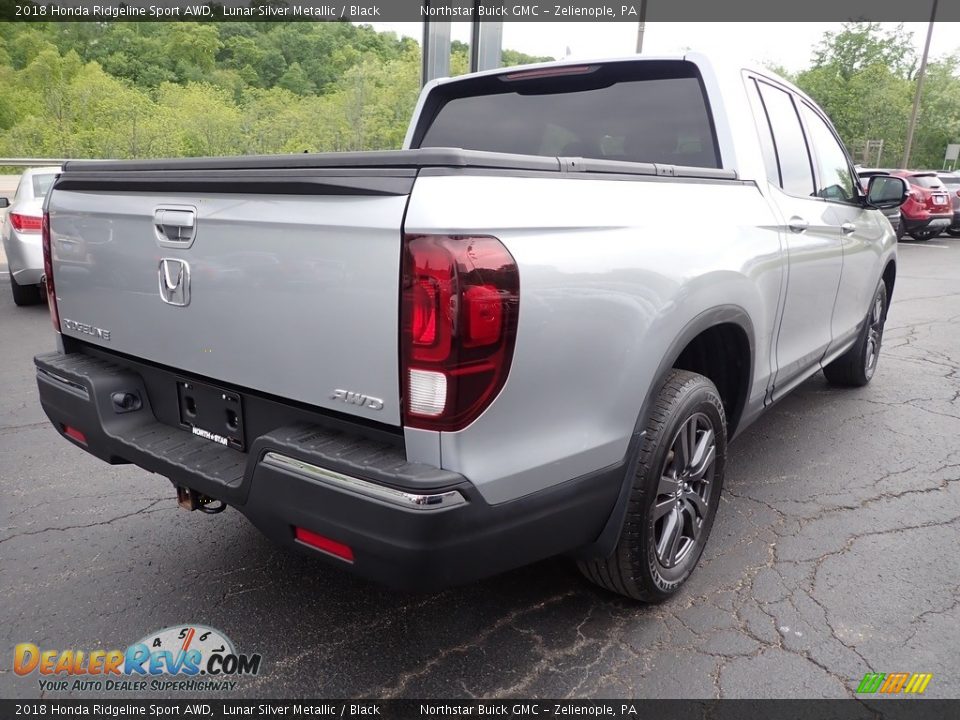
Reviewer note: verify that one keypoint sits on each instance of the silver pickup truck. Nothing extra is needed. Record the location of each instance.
(533, 331)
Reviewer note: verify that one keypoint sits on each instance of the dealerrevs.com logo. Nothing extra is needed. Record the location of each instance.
(894, 683)
(187, 658)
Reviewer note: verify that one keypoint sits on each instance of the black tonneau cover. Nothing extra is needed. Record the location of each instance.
(387, 172)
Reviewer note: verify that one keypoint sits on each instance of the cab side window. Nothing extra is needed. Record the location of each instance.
(836, 181)
(793, 157)
(763, 133)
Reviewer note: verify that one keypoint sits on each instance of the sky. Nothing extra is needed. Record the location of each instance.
(786, 44)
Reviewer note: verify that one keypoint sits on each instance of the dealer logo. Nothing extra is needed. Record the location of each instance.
(197, 657)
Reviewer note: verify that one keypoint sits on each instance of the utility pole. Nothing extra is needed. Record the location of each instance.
(916, 98)
(642, 25)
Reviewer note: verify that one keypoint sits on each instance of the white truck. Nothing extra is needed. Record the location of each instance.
(532, 331)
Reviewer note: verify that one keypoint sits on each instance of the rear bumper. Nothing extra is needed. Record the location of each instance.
(24, 256)
(407, 525)
(927, 223)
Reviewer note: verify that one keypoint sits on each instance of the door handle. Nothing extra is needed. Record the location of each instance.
(797, 224)
(848, 228)
(176, 227)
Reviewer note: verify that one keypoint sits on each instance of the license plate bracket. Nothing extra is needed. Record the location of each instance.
(212, 413)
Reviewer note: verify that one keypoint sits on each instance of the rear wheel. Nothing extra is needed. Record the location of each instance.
(675, 493)
(24, 294)
(855, 368)
(953, 232)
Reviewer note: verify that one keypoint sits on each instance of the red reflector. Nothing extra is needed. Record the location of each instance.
(325, 544)
(25, 223)
(74, 434)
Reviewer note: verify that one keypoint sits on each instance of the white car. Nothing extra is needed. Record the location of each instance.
(21, 234)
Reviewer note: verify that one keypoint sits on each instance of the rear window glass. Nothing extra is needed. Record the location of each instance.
(653, 114)
(927, 181)
(41, 184)
(950, 181)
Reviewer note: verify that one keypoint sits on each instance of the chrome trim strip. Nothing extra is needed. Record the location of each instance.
(339, 481)
(75, 387)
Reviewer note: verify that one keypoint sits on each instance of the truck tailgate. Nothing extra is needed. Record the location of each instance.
(291, 294)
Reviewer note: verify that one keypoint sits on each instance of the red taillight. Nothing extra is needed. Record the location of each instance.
(461, 298)
(48, 273)
(331, 547)
(25, 223)
(74, 434)
(425, 309)
(483, 317)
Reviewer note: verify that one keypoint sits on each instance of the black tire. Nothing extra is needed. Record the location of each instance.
(662, 498)
(953, 232)
(924, 235)
(25, 294)
(901, 228)
(856, 367)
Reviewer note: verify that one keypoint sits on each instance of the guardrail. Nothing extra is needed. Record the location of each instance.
(32, 162)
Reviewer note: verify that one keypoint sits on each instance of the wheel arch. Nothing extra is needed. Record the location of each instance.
(737, 320)
(890, 277)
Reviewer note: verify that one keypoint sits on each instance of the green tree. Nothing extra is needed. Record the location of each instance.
(295, 80)
(939, 118)
(25, 46)
(865, 79)
(205, 118)
(509, 58)
(861, 78)
(861, 45)
(195, 46)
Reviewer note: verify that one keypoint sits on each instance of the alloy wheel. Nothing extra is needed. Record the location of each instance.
(874, 336)
(683, 495)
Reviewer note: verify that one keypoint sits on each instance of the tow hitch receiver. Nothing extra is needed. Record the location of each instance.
(192, 500)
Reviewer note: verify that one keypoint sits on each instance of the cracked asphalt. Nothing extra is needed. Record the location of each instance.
(835, 553)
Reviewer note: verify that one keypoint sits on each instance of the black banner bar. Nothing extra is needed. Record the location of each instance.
(860, 709)
(467, 10)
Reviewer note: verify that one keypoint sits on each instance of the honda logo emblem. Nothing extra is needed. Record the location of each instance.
(175, 282)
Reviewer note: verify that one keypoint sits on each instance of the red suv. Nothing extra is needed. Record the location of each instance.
(927, 211)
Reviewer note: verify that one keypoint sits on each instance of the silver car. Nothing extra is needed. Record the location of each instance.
(434, 364)
(951, 181)
(21, 234)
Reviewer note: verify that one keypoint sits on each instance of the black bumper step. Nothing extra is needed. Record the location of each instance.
(76, 390)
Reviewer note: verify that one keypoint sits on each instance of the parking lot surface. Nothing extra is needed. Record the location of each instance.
(834, 554)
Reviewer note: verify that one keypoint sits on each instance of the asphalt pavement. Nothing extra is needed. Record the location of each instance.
(835, 553)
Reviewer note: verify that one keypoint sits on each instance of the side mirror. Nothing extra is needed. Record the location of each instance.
(886, 191)
(4, 203)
